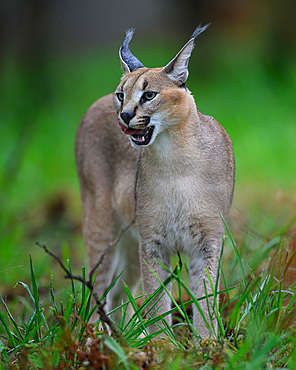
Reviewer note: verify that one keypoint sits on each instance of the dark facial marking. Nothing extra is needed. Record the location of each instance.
(135, 109)
(145, 84)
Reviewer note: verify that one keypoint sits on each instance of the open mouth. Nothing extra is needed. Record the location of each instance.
(139, 137)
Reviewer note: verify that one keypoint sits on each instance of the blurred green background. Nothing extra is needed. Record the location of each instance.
(57, 57)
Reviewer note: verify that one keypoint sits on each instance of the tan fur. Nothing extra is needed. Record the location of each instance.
(177, 184)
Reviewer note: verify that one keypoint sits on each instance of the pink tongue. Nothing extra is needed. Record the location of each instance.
(126, 130)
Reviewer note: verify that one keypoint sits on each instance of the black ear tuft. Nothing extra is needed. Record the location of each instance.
(200, 29)
(128, 60)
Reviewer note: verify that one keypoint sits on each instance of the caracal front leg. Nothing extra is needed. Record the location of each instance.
(149, 254)
(206, 259)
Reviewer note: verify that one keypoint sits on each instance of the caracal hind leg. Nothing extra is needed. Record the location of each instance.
(98, 231)
(126, 261)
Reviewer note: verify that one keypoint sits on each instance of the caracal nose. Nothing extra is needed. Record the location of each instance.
(126, 117)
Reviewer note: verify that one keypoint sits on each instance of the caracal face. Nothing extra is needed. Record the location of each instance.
(147, 103)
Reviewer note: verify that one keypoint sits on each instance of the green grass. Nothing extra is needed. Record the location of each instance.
(255, 323)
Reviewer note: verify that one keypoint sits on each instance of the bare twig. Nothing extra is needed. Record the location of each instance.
(89, 283)
(100, 306)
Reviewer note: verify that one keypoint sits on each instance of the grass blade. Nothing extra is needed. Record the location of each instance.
(11, 318)
(8, 332)
(4, 354)
(27, 289)
(236, 252)
(167, 291)
(217, 312)
(52, 294)
(116, 348)
(111, 286)
(72, 280)
(39, 313)
(137, 318)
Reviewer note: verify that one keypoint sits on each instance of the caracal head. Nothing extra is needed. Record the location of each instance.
(148, 101)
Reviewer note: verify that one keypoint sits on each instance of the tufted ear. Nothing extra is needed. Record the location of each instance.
(128, 61)
(177, 69)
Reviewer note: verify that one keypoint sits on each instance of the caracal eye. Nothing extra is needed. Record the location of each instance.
(149, 95)
(120, 97)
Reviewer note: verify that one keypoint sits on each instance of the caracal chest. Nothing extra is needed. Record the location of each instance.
(170, 212)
